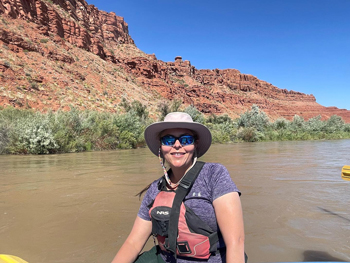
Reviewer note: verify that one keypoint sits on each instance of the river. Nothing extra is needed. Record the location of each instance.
(79, 207)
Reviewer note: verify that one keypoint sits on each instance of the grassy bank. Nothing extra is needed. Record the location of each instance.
(29, 132)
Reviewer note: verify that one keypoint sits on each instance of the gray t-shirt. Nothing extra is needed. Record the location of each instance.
(212, 182)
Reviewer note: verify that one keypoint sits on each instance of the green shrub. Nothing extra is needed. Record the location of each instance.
(297, 123)
(253, 119)
(222, 128)
(136, 106)
(223, 132)
(130, 123)
(9, 117)
(314, 124)
(281, 124)
(34, 136)
(67, 127)
(250, 134)
(163, 109)
(140, 109)
(219, 119)
(346, 127)
(4, 138)
(125, 104)
(127, 140)
(26, 131)
(166, 107)
(175, 105)
(196, 115)
(333, 124)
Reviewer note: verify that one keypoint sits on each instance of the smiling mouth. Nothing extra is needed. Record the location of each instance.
(178, 154)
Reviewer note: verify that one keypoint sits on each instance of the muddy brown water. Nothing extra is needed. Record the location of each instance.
(80, 207)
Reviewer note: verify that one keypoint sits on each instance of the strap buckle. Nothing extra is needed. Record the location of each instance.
(185, 183)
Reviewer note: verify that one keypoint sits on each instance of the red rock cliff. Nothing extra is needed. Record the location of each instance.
(58, 54)
(75, 21)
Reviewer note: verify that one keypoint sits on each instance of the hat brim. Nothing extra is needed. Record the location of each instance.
(202, 132)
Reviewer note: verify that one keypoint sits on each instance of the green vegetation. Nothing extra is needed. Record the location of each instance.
(24, 131)
(164, 108)
(254, 125)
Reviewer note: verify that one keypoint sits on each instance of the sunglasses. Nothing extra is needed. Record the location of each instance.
(169, 140)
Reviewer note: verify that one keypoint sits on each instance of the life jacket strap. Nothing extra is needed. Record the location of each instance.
(213, 239)
(182, 190)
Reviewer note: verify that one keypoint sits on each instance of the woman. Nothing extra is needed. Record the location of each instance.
(213, 197)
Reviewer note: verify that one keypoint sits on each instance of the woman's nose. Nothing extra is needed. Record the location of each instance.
(177, 144)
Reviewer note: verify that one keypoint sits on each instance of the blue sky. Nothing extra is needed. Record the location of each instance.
(300, 45)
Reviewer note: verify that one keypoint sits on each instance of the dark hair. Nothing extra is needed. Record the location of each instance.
(143, 190)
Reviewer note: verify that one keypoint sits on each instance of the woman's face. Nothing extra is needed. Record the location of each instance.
(178, 156)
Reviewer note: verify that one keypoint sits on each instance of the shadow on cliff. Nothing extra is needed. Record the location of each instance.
(313, 255)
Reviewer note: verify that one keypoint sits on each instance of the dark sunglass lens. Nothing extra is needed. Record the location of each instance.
(168, 140)
(186, 140)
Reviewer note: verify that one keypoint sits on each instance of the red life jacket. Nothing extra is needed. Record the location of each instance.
(194, 238)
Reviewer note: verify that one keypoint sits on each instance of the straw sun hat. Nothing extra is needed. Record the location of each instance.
(178, 120)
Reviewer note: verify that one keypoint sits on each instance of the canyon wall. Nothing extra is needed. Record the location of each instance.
(57, 54)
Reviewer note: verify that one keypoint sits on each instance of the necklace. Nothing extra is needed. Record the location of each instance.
(172, 185)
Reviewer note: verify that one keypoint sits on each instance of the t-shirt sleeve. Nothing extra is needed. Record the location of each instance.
(147, 200)
(221, 182)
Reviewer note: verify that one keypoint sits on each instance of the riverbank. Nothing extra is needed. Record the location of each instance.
(29, 132)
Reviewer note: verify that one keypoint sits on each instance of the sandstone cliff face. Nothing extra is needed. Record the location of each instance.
(75, 21)
(55, 54)
(225, 91)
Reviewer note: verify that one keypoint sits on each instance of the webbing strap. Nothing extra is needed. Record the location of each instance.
(182, 190)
